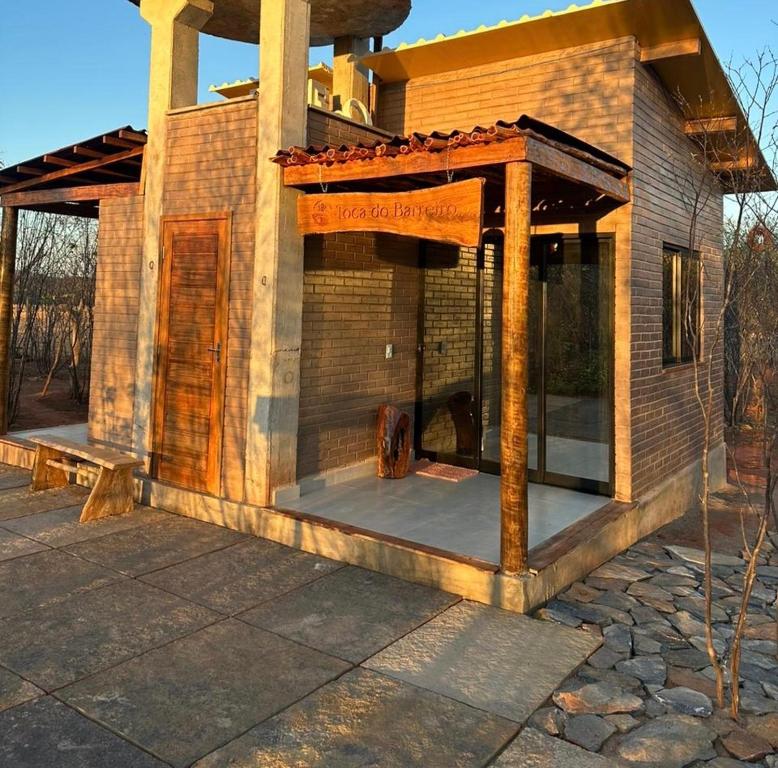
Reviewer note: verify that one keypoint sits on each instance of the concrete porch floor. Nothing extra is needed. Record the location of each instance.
(152, 639)
(77, 432)
(462, 518)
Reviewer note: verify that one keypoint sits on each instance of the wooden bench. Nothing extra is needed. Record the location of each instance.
(56, 459)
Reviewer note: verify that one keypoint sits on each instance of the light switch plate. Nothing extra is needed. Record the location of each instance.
(389, 351)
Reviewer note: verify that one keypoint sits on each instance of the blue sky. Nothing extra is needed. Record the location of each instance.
(70, 69)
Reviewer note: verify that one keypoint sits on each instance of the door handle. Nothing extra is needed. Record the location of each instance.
(217, 352)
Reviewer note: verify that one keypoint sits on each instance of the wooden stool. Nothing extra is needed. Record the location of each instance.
(56, 459)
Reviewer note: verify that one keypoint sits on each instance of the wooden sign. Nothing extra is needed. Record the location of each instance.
(452, 213)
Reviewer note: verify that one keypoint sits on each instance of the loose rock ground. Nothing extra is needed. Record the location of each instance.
(648, 693)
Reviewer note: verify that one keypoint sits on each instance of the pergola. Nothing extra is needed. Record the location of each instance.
(534, 174)
(70, 181)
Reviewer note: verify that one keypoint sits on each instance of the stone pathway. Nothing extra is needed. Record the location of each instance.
(153, 640)
(645, 697)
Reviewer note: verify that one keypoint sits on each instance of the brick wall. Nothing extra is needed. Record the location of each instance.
(211, 167)
(667, 428)
(587, 91)
(581, 90)
(112, 390)
(450, 305)
(360, 294)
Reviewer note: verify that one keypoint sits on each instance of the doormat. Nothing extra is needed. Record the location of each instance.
(451, 474)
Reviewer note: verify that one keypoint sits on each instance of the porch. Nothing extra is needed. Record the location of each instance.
(459, 519)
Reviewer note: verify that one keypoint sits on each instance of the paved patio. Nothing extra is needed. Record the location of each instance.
(150, 640)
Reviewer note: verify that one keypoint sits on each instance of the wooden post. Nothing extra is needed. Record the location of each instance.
(514, 507)
(7, 268)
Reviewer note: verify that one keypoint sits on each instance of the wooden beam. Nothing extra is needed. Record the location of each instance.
(84, 210)
(710, 125)
(113, 141)
(88, 152)
(690, 47)
(138, 138)
(60, 161)
(7, 268)
(735, 166)
(29, 171)
(67, 195)
(83, 167)
(571, 168)
(498, 153)
(403, 165)
(514, 454)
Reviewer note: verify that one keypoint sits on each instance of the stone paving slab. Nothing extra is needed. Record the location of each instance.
(533, 749)
(13, 545)
(20, 502)
(366, 719)
(186, 699)
(46, 578)
(14, 690)
(352, 613)
(14, 478)
(501, 662)
(60, 527)
(239, 577)
(57, 645)
(47, 733)
(149, 548)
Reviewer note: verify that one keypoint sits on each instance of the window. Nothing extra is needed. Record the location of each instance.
(680, 305)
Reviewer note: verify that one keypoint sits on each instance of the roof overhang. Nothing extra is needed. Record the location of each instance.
(572, 180)
(671, 37)
(73, 179)
(239, 19)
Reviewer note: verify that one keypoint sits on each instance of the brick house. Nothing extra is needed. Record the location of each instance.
(245, 362)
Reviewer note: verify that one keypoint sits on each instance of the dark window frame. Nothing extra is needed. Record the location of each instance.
(677, 347)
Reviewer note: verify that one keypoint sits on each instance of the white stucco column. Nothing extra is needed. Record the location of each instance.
(175, 26)
(276, 326)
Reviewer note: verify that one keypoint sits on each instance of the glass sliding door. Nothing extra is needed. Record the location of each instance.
(572, 364)
(569, 367)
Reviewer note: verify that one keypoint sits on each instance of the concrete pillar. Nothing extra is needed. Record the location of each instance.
(175, 26)
(7, 268)
(276, 325)
(350, 78)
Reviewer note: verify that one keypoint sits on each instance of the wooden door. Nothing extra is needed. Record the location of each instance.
(191, 352)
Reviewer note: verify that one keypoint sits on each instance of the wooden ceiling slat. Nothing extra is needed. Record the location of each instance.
(78, 149)
(112, 141)
(29, 170)
(57, 160)
(134, 136)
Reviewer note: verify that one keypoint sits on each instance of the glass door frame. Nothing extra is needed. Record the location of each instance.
(540, 474)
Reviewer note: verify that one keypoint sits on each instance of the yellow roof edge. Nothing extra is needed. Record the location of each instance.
(320, 72)
(501, 25)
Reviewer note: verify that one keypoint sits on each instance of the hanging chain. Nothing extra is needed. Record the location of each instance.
(324, 186)
(449, 172)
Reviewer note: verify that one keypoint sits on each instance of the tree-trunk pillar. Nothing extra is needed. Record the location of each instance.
(7, 269)
(514, 506)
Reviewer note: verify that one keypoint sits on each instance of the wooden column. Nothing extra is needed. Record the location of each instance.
(7, 268)
(514, 522)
